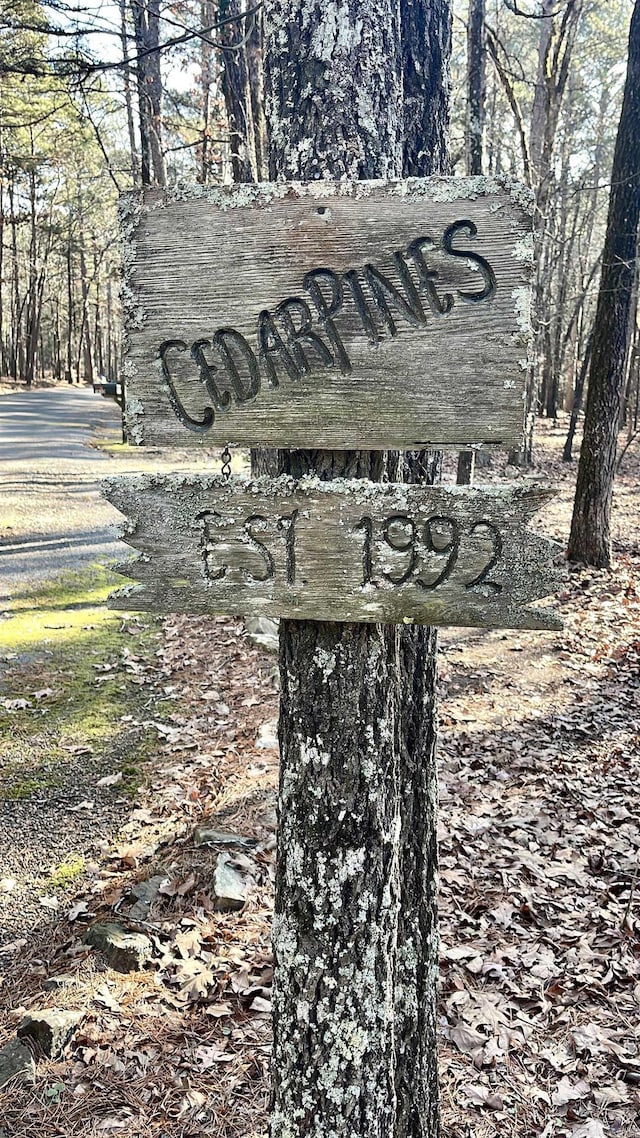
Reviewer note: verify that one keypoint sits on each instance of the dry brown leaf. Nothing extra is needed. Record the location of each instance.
(465, 1039)
(567, 1092)
(481, 1096)
(592, 1128)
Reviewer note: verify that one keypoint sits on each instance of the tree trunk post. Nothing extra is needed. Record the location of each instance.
(354, 927)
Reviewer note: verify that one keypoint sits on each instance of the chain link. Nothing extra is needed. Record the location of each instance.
(225, 459)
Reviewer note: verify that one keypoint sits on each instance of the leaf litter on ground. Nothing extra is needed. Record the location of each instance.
(539, 845)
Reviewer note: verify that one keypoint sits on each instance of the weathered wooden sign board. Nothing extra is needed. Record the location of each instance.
(340, 550)
(366, 315)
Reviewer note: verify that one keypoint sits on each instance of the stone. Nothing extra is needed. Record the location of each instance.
(16, 1062)
(125, 951)
(267, 737)
(211, 836)
(145, 893)
(229, 887)
(49, 1028)
(263, 631)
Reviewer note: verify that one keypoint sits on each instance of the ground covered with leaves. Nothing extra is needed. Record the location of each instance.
(539, 845)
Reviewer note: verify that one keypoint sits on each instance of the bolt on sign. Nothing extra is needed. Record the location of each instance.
(355, 315)
(346, 550)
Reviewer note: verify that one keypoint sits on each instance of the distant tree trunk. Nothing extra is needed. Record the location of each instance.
(557, 35)
(146, 22)
(476, 84)
(3, 346)
(354, 925)
(85, 344)
(16, 319)
(32, 322)
(237, 92)
(590, 539)
(111, 370)
(567, 455)
(126, 78)
(57, 358)
(70, 307)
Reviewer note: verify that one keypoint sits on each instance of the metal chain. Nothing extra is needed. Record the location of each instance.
(225, 459)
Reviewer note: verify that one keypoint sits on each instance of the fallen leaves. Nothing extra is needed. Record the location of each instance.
(540, 976)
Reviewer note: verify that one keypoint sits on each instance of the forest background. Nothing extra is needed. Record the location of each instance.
(97, 98)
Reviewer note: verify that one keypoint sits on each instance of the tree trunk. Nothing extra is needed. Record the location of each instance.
(426, 50)
(146, 22)
(590, 539)
(126, 80)
(85, 345)
(16, 318)
(255, 75)
(70, 307)
(32, 309)
(237, 94)
(425, 27)
(154, 91)
(567, 455)
(206, 83)
(555, 49)
(476, 84)
(3, 347)
(354, 925)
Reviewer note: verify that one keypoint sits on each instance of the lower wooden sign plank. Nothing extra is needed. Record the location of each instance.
(340, 551)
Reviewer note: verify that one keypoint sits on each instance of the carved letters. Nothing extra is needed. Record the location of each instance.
(293, 340)
(344, 550)
(369, 315)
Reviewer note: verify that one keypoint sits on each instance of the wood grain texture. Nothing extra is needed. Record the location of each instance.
(410, 332)
(336, 551)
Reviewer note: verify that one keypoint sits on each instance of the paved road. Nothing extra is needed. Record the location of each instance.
(52, 516)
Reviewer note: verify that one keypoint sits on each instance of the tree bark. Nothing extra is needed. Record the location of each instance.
(426, 84)
(476, 86)
(590, 539)
(426, 28)
(354, 926)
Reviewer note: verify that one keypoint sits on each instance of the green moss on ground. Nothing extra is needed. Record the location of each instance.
(67, 872)
(63, 687)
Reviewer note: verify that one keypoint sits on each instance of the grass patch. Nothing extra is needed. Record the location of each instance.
(66, 685)
(27, 787)
(82, 588)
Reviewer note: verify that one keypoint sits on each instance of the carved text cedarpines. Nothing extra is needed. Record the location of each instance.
(297, 331)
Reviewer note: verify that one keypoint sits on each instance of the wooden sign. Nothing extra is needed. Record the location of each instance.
(367, 315)
(340, 551)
